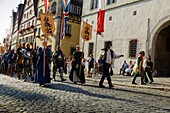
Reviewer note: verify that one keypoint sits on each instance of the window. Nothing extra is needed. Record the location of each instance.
(21, 26)
(27, 14)
(91, 45)
(72, 9)
(53, 6)
(28, 24)
(20, 41)
(79, 10)
(110, 1)
(31, 39)
(92, 22)
(26, 39)
(28, 3)
(24, 15)
(76, 9)
(30, 11)
(40, 11)
(132, 48)
(134, 12)
(32, 22)
(94, 4)
(68, 29)
(110, 18)
(39, 30)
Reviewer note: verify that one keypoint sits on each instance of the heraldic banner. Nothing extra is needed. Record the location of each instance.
(47, 24)
(86, 32)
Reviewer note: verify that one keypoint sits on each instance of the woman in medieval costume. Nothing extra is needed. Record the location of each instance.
(39, 76)
(148, 65)
(138, 69)
(77, 71)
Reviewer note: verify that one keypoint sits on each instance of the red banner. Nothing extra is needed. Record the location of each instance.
(100, 21)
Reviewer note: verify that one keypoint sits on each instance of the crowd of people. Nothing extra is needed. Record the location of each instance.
(28, 64)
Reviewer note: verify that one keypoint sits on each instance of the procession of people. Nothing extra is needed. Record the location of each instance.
(27, 64)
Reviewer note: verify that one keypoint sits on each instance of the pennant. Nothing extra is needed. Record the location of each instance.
(46, 3)
(86, 32)
(66, 8)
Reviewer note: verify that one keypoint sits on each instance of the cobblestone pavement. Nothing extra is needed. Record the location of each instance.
(23, 97)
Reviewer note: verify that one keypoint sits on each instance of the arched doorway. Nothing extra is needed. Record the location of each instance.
(161, 49)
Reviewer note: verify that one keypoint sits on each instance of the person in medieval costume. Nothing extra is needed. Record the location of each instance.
(39, 75)
(108, 58)
(58, 61)
(148, 66)
(76, 74)
(138, 69)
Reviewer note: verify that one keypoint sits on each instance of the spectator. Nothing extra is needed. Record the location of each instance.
(100, 66)
(90, 65)
(123, 68)
(128, 70)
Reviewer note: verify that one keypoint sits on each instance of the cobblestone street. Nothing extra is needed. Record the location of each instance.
(23, 97)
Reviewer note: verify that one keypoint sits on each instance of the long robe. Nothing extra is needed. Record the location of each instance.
(76, 75)
(39, 78)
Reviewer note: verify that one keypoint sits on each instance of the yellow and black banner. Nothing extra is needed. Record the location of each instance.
(47, 24)
(86, 32)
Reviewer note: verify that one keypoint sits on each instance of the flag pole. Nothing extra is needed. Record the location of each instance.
(95, 55)
(61, 27)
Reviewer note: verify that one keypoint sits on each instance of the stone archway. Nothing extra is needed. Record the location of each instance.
(160, 47)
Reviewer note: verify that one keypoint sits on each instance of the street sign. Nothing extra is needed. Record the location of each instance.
(86, 32)
(47, 24)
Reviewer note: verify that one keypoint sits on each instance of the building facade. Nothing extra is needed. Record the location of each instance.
(132, 26)
(72, 27)
(16, 26)
(54, 7)
(72, 32)
(26, 30)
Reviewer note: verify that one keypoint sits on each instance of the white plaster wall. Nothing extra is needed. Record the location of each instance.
(125, 26)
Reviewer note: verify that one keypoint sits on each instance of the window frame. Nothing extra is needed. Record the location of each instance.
(68, 29)
(133, 48)
(110, 2)
(90, 48)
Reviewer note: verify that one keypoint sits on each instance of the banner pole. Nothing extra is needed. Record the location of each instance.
(95, 55)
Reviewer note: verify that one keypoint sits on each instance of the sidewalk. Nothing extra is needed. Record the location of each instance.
(160, 83)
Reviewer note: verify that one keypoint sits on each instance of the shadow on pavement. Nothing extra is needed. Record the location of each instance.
(68, 88)
(20, 94)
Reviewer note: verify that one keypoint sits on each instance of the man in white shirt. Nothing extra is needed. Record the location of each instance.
(108, 59)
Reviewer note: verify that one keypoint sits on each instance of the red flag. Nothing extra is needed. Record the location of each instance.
(46, 4)
(100, 21)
